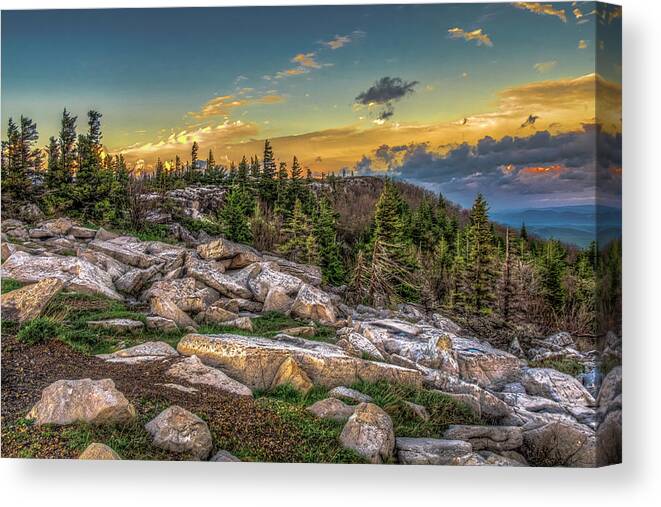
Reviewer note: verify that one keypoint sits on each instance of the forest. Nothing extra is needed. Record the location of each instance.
(380, 240)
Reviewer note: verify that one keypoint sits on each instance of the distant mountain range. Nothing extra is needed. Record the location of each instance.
(571, 224)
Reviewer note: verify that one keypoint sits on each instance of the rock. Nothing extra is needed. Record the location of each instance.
(397, 326)
(6, 249)
(491, 438)
(221, 248)
(514, 388)
(244, 323)
(57, 226)
(134, 280)
(331, 408)
(162, 324)
(148, 351)
(556, 386)
(515, 348)
(493, 459)
(312, 303)
(254, 361)
(562, 339)
(432, 451)
(609, 439)
(127, 250)
(179, 387)
(611, 387)
(225, 456)
(178, 430)
(91, 401)
(277, 300)
(117, 325)
(554, 440)
(269, 277)
(82, 232)
(97, 451)
(342, 392)
(305, 272)
(369, 432)
(471, 401)
(173, 256)
(193, 371)
(164, 307)
(445, 324)
(483, 364)
(184, 292)
(359, 346)
(77, 274)
(112, 266)
(216, 314)
(27, 303)
(304, 331)
(104, 235)
(417, 411)
(227, 285)
(289, 372)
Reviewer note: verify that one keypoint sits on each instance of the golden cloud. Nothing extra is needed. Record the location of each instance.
(544, 9)
(222, 105)
(476, 35)
(582, 44)
(338, 41)
(306, 60)
(543, 67)
(562, 105)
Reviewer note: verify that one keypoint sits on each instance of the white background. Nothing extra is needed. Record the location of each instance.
(636, 482)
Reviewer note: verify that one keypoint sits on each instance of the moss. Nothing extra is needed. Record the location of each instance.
(9, 284)
(569, 366)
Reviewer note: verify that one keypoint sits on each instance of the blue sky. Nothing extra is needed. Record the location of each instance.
(162, 76)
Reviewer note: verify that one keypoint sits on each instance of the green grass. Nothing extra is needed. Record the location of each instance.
(72, 310)
(152, 232)
(9, 284)
(39, 330)
(569, 366)
(196, 225)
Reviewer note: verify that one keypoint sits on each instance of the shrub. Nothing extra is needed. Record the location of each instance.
(569, 366)
(38, 331)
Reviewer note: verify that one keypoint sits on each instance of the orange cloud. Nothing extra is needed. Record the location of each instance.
(476, 35)
(306, 60)
(222, 105)
(543, 67)
(543, 169)
(543, 9)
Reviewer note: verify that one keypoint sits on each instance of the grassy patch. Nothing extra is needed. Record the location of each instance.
(196, 225)
(72, 311)
(152, 232)
(443, 410)
(9, 284)
(39, 330)
(569, 366)
(270, 324)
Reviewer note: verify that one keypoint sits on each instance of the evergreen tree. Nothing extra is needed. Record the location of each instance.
(423, 226)
(193, 156)
(254, 167)
(67, 141)
(234, 216)
(267, 185)
(211, 162)
(481, 256)
(242, 173)
(523, 234)
(326, 238)
(552, 267)
(300, 244)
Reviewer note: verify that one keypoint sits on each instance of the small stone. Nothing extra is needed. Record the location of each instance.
(304, 331)
(244, 323)
(418, 411)
(225, 456)
(148, 351)
(369, 432)
(162, 324)
(433, 451)
(164, 307)
(178, 430)
(331, 408)
(97, 451)
(342, 392)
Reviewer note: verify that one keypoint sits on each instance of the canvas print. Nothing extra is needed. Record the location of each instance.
(381, 234)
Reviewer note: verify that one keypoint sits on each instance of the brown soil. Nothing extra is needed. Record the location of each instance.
(234, 421)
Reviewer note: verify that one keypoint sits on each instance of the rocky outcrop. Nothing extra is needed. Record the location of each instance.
(178, 430)
(556, 386)
(255, 361)
(369, 432)
(314, 304)
(91, 401)
(27, 303)
(193, 371)
(164, 307)
(98, 451)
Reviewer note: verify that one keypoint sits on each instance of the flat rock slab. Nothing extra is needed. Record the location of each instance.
(555, 386)
(193, 371)
(346, 393)
(76, 273)
(490, 438)
(117, 325)
(93, 401)
(27, 303)
(433, 451)
(148, 351)
(254, 361)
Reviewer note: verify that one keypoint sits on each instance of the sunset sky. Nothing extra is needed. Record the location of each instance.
(497, 98)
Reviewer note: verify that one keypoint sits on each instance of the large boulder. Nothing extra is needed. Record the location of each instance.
(127, 250)
(193, 371)
(133, 281)
(240, 256)
(29, 302)
(255, 361)
(369, 432)
(433, 451)
(483, 364)
(556, 386)
(315, 304)
(231, 286)
(98, 451)
(91, 401)
(77, 274)
(491, 438)
(277, 300)
(178, 430)
(216, 314)
(184, 292)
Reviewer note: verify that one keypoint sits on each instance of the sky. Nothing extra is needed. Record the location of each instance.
(460, 98)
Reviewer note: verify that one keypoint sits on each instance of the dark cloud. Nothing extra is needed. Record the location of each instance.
(530, 121)
(384, 92)
(574, 163)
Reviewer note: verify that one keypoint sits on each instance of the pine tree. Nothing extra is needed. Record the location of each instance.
(481, 257)
(326, 238)
(267, 185)
(423, 226)
(506, 285)
(211, 162)
(552, 267)
(235, 214)
(193, 156)
(67, 142)
(242, 173)
(523, 234)
(254, 167)
(300, 244)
